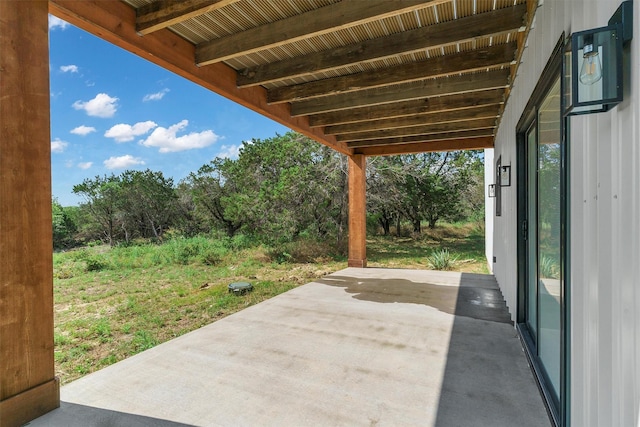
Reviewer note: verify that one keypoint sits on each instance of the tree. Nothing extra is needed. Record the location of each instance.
(212, 188)
(384, 193)
(148, 203)
(102, 195)
(277, 189)
(427, 186)
(64, 227)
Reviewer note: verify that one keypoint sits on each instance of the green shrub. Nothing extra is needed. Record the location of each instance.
(240, 241)
(210, 257)
(442, 260)
(96, 262)
(64, 272)
(303, 251)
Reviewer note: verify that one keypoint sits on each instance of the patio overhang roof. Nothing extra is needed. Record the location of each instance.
(375, 77)
(372, 77)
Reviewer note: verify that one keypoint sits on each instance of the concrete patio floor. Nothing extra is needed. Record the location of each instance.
(360, 347)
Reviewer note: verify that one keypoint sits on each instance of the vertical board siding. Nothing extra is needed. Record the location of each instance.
(604, 227)
(489, 206)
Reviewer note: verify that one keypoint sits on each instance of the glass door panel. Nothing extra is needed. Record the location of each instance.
(531, 233)
(548, 234)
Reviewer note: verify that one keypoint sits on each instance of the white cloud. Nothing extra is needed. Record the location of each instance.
(102, 105)
(58, 146)
(167, 140)
(123, 132)
(69, 68)
(85, 165)
(229, 152)
(83, 130)
(55, 22)
(122, 162)
(155, 96)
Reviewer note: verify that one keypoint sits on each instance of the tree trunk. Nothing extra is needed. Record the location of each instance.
(385, 223)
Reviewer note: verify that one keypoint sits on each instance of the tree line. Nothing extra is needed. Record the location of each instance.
(278, 190)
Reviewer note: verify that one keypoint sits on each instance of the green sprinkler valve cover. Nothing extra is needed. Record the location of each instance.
(239, 288)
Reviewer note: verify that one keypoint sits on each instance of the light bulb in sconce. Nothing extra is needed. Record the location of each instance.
(591, 70)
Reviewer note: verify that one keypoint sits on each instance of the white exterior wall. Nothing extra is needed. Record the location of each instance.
(489, 207)
(604, 224)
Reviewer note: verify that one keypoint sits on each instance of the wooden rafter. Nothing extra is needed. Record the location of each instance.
(164, 13)
(477, 143)
(449, 86)
(459, 115)
(409, 108)
(446, 127)
(423, 138)
(346, 14)
(479, 59)
(458, 31)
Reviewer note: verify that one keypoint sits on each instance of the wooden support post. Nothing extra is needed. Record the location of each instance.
(28, 387)
(357, 211)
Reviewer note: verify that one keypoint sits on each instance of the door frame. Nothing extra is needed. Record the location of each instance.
(558, 409)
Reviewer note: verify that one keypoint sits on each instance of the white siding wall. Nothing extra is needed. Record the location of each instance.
(489, 207)
(604, 224)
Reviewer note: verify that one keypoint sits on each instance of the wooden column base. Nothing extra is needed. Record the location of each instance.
(31, 404)
(358, 263)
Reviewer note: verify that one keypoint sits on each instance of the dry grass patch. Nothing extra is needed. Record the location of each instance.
(113, 303)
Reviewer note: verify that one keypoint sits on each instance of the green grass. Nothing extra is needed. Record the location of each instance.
(111, 303)
(463, 242)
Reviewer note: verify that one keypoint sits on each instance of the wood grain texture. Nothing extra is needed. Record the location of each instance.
(422, 130)
(357, 211)
(423, 138)
(458, 115)
(385, 95)
(463, 30)
(164, 13)
(26, 241)
(30, 404)
(479, 59)
(337, 16)
(408, 108)
(425, 147)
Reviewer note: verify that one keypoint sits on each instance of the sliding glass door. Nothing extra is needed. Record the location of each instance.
(542, 261)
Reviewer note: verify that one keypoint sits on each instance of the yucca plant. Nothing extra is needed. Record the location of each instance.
(442, 260)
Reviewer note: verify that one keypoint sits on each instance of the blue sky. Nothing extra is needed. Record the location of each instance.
(112, 111)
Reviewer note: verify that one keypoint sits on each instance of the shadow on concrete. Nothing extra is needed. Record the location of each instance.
(73, 415)
(487, 372)
(487, 381)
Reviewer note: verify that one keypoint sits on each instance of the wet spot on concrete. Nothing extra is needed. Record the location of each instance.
(484, 303)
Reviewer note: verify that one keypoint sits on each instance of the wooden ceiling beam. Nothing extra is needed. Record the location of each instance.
(457, 31)
(429, 129)
(337, 16)
(474, 60)
(164, 13)
(115, 22)
(459, 115)
(465, 84)
(423, 138)
(423, 106)
(428, 146)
